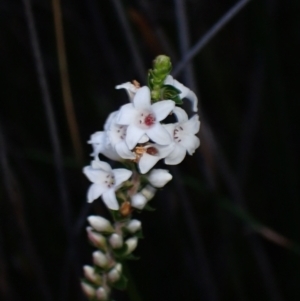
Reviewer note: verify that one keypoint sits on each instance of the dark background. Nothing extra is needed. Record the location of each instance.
(227, 226)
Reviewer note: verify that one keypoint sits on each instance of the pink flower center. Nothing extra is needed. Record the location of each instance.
(149, 120)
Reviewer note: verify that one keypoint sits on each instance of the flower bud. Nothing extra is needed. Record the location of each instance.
(148, 192)
(162, 64)
(116, 241)
(138, 201)
(115, 273)
(131, 244)
(97, 239)
(101, 294)
(100, 224)
(100, 259)
(89, 274)
(133, 226)
(88, 290)
(159, 177)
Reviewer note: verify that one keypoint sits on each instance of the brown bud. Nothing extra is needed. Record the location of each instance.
(125, 209)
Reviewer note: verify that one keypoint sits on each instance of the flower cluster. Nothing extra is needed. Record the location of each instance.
(138, 135)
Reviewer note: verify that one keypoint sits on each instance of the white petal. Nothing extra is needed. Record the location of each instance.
(192, 126)
(159, 177)
(190, 142)
(147, 162)
(162, 108)
(110, 200)
(185, 91)
(144, 139)
(110, 119)
(94, 175)
(176, 156)
(164, 151)
(121, 175)
(123, 150)
(95, 191)
(142, 99)
(180, 114)
(138, 201)
(159, 134)
(131, 244)
(169, 80)
(100, 223)
(97, 164)
(126, 114)
(97, 137)
(170, 127)
(193, 98)
(130, 89)
(133, 135)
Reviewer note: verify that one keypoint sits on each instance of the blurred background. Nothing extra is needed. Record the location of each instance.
(227, 227)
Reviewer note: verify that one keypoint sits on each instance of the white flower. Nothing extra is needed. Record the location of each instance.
(100, 223)
(185, 91)
(116, 241)
(100, 145)
(89, 273)
(116, 134)
(159, 177)
(105, 182)
(100, 259)
(131, 244)
(97, 239)
(130, 89)
(143, 118)
(138, 201)
(88, 290)
(115, 273)
(183, 133)
(133, 226)
(148, 192)
(101, 294)
(152, 154)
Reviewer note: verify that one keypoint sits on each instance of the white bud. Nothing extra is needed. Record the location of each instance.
(115, 273)
(97, 239)
(148, 192)
(138, 201)
(89, 274)
(100, 259)
(159, 177)
(88, 290)
(116, 241)
(131, 244)
(133, 226)
(100, 224)
(101, 294)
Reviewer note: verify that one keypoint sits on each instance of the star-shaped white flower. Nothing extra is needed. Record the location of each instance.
(105, 182)
(183, 134)
(143, 118)
(185, 91)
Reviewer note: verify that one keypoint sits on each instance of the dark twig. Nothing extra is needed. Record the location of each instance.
(237, 195)
(49, 114)
(209, 35)
(250, 123)
(200, 255)
(136, 57)
(65, 81)
(16, 202)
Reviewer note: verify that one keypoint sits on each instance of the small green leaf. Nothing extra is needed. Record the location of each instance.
(149, 208)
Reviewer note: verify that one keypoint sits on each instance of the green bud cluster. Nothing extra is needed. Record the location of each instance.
(161, 69)
(156, 77)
